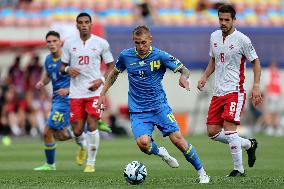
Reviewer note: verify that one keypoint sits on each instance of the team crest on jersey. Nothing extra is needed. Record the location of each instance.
(74, 49)
(215, 44)
(141, 63)
(231, 46)
(94, 49)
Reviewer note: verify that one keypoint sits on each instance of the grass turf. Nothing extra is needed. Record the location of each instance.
(18, 160)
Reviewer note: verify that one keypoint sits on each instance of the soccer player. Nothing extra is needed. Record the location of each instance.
(58, 122)
(81, 59)
(148, 106)
(229, 49)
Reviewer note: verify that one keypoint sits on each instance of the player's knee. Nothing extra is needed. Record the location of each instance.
(46, 136)
(143, 144)
(77, 132)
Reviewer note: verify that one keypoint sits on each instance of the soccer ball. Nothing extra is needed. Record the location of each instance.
(135, 172)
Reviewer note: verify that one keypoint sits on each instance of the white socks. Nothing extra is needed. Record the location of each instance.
(81, 141)
(221, 137)
(93, 141)
(236, 150)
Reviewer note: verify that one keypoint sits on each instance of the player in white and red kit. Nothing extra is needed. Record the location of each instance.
(229, 50)
(81, 59)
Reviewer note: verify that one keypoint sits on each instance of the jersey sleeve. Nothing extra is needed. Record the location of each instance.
(106, 54)
(65, 57)
(171, 62)
(248, 49)
(120, 63)
(211, 47)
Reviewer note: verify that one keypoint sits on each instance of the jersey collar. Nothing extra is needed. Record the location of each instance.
(144, 56)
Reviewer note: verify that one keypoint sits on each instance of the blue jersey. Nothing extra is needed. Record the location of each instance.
(58, 80)
(145, 76)
(60, 113)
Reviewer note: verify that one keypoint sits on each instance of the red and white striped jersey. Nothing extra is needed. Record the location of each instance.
(230, 55)
(87, 57)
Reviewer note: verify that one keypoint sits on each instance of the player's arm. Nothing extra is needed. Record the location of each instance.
(98, 82)
(183, 80)
(209, 70)
(66, 69)
(109, 82)
(256, 92)
(65, 61)
(45, 79)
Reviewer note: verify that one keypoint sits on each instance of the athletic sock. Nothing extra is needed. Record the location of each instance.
(191, 156)
(93, 141)
(153, 148)
(50, 153)
(236, 150)
(81, 140)
(221, 137)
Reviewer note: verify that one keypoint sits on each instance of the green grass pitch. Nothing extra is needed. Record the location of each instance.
(18, 160)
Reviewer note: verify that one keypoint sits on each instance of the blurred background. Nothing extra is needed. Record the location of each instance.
(181, 27)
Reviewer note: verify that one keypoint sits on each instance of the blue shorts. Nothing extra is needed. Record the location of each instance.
(144, 123)
(59, 117)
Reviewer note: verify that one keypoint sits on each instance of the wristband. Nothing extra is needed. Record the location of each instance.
(256, 84)
(66, 69)
(103, 79)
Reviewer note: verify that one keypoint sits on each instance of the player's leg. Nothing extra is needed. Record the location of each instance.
(50, 147)
(190, 155)
(77, 119)
(142, 129)
(93, 137)
(234, 104)
(147, 145)
(167, 124)
(215, 121)
(93, 141)
(235, 148)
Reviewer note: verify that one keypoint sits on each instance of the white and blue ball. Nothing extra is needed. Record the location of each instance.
(135, 172)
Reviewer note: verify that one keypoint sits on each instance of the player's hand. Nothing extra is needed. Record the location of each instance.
(255, 96)
(201, 83)
(62, 92)
(39, 85)
(184, 83)
(101, 102)
(95, 84)
(73, 72)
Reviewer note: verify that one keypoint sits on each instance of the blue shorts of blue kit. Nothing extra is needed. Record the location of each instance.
(59, 118)
(143, 123)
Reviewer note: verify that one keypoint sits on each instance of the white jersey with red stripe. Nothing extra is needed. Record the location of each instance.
(230, 55)
(87, 57)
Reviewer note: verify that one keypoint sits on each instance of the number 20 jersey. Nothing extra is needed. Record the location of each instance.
(87, 57)
(230, 55)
